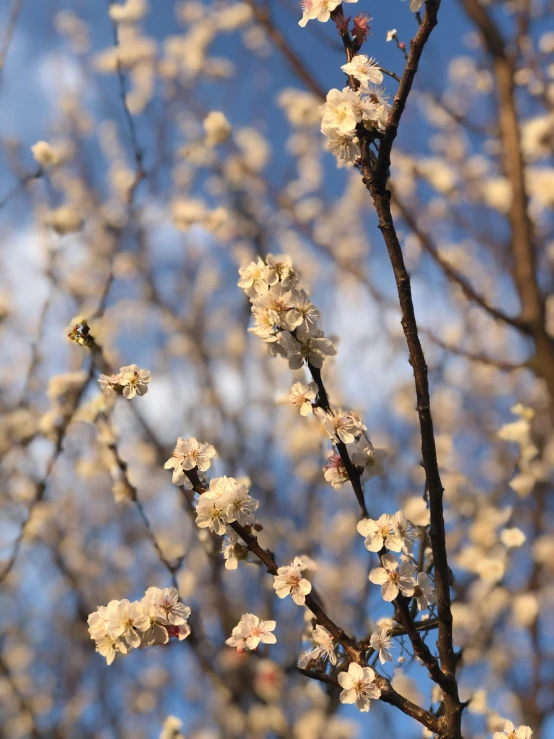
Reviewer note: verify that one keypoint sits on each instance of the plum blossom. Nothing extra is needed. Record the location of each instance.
(306, 347)
(126, 620)
(123, 625)
(341, 425)
(510, 732)
(325, 645)
(225, 501)
(289, 581)
(344, 109)
(334, 471)
(402, 536)
(256, 278)
(381, 642)
(346, 148)
(376, 533)
(233, 551)
(319, 10)
(188, 454)
(301, 396)
(424, 593)
(392, 578)
(364, 69)
(165, 604)
(358, 686)
(250, 631)
(241, 506)
(131, 380)
(134, 381)
(211, 512)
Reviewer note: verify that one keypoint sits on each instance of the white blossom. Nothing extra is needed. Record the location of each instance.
(188, 454)
(510, 732)
(289, 581)
(344, 109)
(256, 278)
(45, 154)
(402, 536)
(364, 69)
(358, 686)
(341, 425)
(392, 578)
(306, 347)
(123, 625)
(334, 471)
(133, 380)
(325, 645)
(512, 538)
(344, 146)
(233, 551)
(217, 128)
(126, 620)
(381, 642)
(319, 10)
(225, 501)
(376, 532)
(250, 631)
(164, 604)
(241, 506)
(424, 593)
(301, 396)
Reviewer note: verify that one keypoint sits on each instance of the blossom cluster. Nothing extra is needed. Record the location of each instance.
(347, 109)
(130, 380)
(284, 317)
(123, 625)
(393, 532)
(250, 631)
(225, 502)
(188, 455)
(363, 454)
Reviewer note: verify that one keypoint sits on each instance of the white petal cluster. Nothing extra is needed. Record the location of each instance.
(131, 380)
(285, 318)
(302, 397)
(381, 642)
(346, 109)
(121, 625)
(289, 581)
(217, 128)
(520, 432)
(510, 732)
(364, 69)
(250, 631)
(393, 532)
(325, 646)
(393, 578)
(188, 454)
(342, 425)
(363, 455)
(226, 501)
(233, 551)
(319, 10)
(358, 686)
(424, 593)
